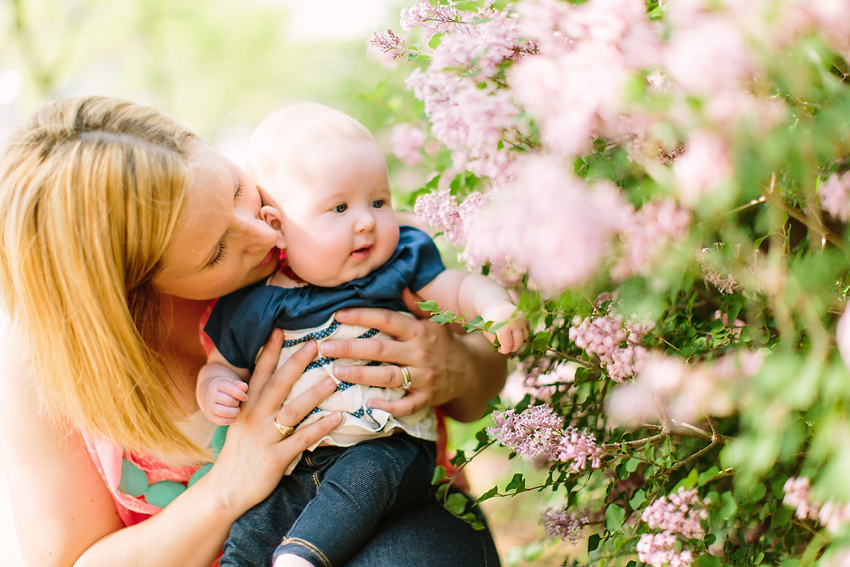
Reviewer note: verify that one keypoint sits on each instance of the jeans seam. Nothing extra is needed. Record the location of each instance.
(310, 547)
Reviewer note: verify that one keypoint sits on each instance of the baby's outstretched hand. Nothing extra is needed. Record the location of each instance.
(514, 330)
(221, 398)
(511, 335)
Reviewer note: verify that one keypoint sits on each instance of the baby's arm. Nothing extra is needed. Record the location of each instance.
(220, 389)
(478, 295)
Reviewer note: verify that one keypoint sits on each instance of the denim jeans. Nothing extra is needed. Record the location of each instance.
(333, 501)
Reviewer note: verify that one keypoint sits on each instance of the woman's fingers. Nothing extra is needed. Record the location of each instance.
(297, 409)
(409, 404)
(263, 370)
(380, 350)
(307, 436)
(283, 378)
(392, 323)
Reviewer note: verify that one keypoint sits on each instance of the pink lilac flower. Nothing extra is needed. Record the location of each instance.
(431, 19)
(679, 514)
(574, 86)
(406, 142)
(678, 517)
(563, 524)
(529, 434)
(613, 340)
(440, 210)
(667, 386)
(578, 447)
(704, 165)
(659, 550)
(647, 233)
(389, 44)
(530, 378)
(835, 196)
(481, 48)
(829, 514)
(571, 221)
(537, 433)
(470, 121)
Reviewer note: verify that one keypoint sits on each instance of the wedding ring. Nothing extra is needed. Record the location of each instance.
(405, 377)
(285, 430)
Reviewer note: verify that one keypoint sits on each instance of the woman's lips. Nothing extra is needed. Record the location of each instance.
(269, 257)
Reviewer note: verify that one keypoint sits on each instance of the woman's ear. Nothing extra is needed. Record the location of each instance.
(272, 217)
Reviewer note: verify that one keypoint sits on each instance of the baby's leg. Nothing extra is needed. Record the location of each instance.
(371, 479)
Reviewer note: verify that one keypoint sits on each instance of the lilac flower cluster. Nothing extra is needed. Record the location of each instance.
(678, 517)
(539, 378)
(835, 196)
(647, 233)
(563, 524)
(406, 143)
(613, 340)
(572, 220)
(830, 514)
(441, 211)
(537, 433)
(667, 387)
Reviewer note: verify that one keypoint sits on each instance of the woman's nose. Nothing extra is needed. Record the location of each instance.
(257, 234)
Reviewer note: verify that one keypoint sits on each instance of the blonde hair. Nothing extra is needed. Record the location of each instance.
(91, 191)
(288, 142)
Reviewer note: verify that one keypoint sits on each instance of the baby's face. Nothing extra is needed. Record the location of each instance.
(339, 224)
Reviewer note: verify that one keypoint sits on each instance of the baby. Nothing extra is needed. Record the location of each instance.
(326, 193)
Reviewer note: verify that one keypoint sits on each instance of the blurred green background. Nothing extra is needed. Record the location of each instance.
(217, 65)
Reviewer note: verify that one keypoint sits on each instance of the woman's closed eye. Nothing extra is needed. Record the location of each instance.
(219, 258)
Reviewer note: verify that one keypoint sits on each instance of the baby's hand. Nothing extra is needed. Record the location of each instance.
(512, 333)
(221, 398)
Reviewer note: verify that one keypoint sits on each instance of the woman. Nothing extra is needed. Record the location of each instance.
(117, 228)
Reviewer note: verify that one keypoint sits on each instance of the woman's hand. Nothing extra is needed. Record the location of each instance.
(255, 453)
(461, 373)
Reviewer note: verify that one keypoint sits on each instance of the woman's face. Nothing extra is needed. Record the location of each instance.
(220, 244)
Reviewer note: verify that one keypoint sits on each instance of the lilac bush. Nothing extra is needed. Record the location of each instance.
(664, 185)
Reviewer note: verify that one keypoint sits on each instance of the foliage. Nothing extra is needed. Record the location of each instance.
(662, 187)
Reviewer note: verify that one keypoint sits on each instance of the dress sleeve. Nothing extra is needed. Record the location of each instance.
(222, 327)
(421, 255)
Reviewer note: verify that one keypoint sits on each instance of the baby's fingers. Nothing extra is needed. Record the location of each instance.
(235, 390)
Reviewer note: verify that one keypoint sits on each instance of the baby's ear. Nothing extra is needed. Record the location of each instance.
(272, 217)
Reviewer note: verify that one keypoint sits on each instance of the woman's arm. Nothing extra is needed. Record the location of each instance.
(460, 373)
(65, 515)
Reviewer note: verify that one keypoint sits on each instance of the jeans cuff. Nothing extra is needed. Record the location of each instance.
(302, 548)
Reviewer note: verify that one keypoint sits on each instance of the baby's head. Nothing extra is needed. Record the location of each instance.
(325, 189)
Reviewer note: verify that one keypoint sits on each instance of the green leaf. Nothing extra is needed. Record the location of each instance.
(517, 483)
(614, 517)
(487, 495)
(638, 499)
(456, 503)
(706, 560)
(706, 476)
(439, 475)
(593, 542)
(429, 305)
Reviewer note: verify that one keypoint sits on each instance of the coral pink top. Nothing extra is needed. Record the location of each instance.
(111, 460)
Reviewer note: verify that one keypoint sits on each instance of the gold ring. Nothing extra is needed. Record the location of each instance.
(405, 377)
(285, 430)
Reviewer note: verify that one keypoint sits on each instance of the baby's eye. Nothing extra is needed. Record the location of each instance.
(341, 208)
(378, 203)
